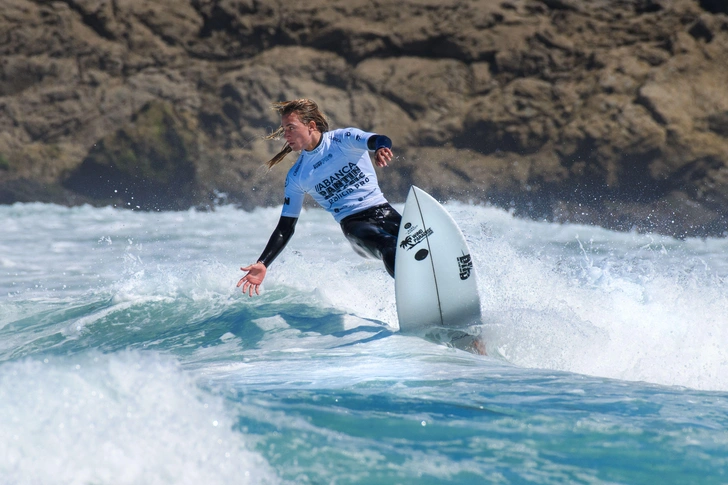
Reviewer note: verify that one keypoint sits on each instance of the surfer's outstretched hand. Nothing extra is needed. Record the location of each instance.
(252, 281)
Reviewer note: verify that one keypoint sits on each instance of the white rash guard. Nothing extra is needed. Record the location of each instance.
(338, 174)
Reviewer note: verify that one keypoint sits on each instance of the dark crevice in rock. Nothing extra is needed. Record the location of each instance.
(700, 31)
(92, 20)
(718, 124)
(714, 6)
(218, 20)
(459, 172)
(654, 113)
(647, 6)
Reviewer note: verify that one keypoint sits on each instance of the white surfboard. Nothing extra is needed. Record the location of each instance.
(435, 284)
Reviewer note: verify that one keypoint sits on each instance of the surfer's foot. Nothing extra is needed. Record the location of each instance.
(463, 341)
(479, 347)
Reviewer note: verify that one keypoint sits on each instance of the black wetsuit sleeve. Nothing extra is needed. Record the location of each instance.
(375, 142)
(278, 240)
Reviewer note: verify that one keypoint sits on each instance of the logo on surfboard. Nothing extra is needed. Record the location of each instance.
(414, 239)
(465, 263)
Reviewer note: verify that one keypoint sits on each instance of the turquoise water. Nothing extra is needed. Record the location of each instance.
(128, 356)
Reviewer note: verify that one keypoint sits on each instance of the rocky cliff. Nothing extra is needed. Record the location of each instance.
(609, 112)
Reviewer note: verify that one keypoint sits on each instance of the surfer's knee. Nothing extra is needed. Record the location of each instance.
(388, 256)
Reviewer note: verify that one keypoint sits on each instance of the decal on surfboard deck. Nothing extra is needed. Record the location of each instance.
(434, 273)
(465, 262)
(414, 236)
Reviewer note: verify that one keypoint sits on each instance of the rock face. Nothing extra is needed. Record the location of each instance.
(609, 112)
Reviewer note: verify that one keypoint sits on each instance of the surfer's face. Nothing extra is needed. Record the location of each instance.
(298, 135)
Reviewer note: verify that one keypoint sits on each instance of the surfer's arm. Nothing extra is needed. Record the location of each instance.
(382, 147)
(356, 139)
(278, 240)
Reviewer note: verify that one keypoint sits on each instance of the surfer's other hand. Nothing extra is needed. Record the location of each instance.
(252, 281)
(382, 157)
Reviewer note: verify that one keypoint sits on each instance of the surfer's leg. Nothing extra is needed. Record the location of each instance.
(388, 254)
(373, 232)
(388, 221)
(371, 240)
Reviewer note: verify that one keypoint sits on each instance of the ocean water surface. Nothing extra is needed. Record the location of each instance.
(127, 356)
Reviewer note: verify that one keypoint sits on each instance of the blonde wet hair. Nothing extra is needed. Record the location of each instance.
(307, 111)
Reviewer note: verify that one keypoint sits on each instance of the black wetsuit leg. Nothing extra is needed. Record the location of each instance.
(373, 232)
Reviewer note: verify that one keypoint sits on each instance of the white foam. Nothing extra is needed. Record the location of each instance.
(628, 315)
(127, 418)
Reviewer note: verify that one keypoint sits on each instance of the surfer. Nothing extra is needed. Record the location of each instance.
(335, 168)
